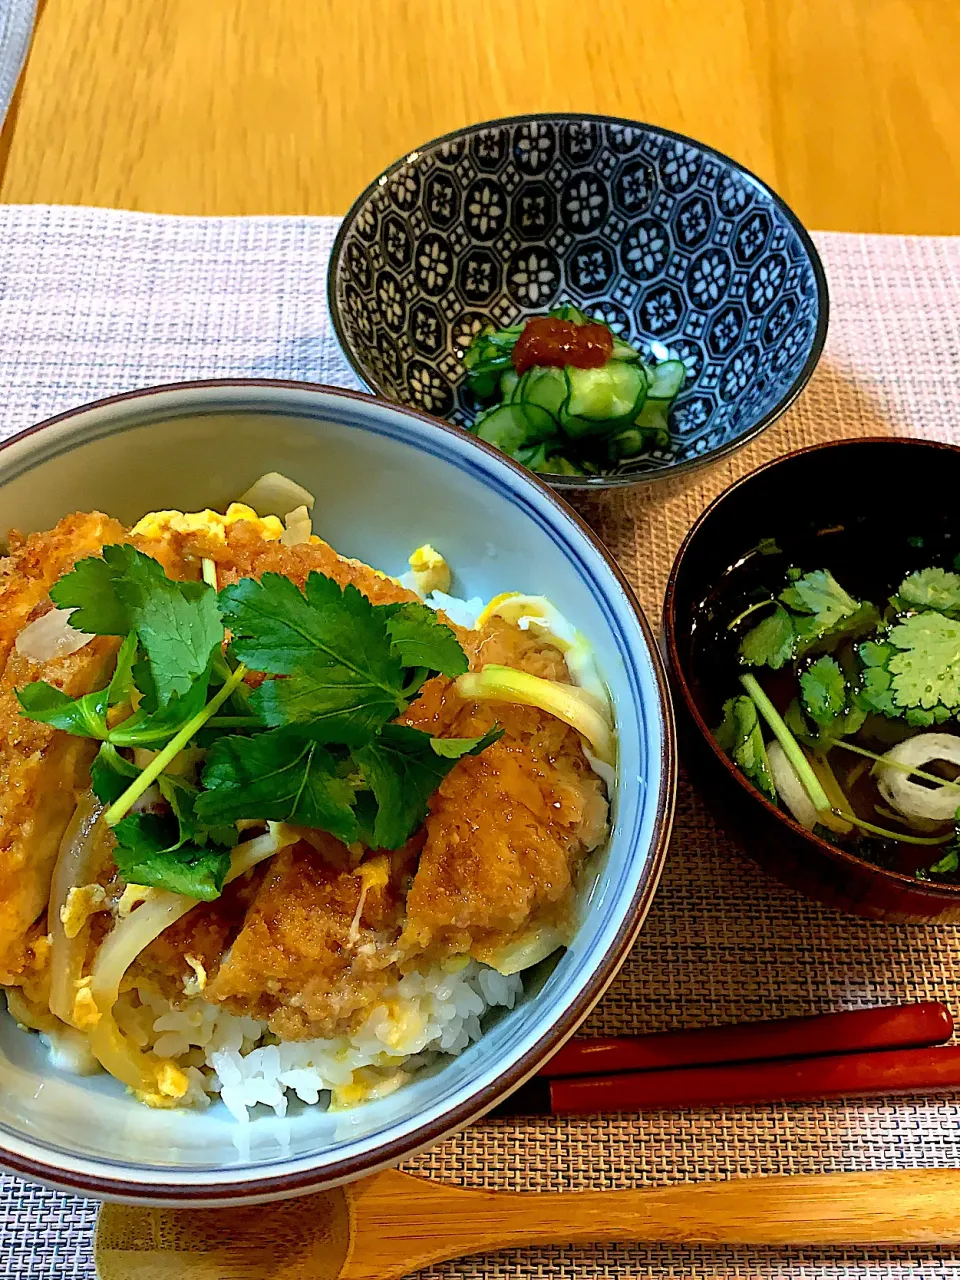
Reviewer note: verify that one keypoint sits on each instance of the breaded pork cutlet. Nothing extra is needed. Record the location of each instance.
(42, 771)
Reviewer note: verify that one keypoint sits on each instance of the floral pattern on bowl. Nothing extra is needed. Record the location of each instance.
(679, 249)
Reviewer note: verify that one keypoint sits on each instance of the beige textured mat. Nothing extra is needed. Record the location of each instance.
(93, 301)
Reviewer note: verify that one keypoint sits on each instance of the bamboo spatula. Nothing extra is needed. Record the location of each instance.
(390, 1224)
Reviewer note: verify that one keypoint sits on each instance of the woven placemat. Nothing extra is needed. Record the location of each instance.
(93, 302)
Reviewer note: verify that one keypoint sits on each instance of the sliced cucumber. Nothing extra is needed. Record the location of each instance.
(623, 350)
(545, 387)
(508, 383)
(653, 420)
(534, 457)
(569, 312)
(666, 379)
(558, 465)
(600, 399)
(513, 426)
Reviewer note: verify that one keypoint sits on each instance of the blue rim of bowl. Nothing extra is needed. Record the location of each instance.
(945, 893)
(474, 1107)
(629, 479)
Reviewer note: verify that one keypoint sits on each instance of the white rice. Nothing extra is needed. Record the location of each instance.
(420, 1016)
(462, 613)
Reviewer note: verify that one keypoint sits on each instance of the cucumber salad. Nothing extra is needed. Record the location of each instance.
(565, 396)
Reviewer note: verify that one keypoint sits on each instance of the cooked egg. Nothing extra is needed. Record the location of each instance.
(374, 874)
(82, 902)
(171, 1081)
(157, 524)
(132, 896)
(197, 982)
(429, 570)
(85, 1011)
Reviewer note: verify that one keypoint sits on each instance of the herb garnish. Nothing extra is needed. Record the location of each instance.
(902, 665)
(315, 747)
(814, 611)
(740, 736)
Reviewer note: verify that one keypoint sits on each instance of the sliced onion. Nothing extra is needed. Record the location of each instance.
(915, 799)
(274, 494)
(299, 527)
(529, 949)
(795, 796)
(541, 615)
(789, 787)
(569, 703)
(82, 851)
(50, 636)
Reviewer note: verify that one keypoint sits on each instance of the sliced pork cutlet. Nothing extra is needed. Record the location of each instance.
(42, 770)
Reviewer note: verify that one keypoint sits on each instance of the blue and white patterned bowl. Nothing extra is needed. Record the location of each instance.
(387, 479)
(680, 249)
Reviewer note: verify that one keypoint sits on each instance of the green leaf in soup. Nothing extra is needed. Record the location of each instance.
(770, 643)
(740, 735)
(949, 862)
(819, 593)
(823, 690)
(929, 589)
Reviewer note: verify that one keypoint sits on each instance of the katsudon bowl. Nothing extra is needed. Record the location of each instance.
(386, 480)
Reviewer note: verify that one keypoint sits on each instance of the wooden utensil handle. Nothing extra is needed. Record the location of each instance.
(425, 1223)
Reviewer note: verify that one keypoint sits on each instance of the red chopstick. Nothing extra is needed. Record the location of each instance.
(879, 1074)
(902, 1026)
(864, 1052)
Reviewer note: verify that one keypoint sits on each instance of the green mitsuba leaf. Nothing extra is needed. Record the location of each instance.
(771, 643)
(403, 767)
(344, 677)
(456, 748)
(420, 639)
(177, 623)
(281, 776)
(86, 717)
(182, 797)
(741, 737)
(155, 728)
(149, 851)
(111, 773)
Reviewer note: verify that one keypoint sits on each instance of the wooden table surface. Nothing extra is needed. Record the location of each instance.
(850, 108)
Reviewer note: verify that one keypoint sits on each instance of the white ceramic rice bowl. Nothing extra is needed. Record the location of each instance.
(387, 480)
